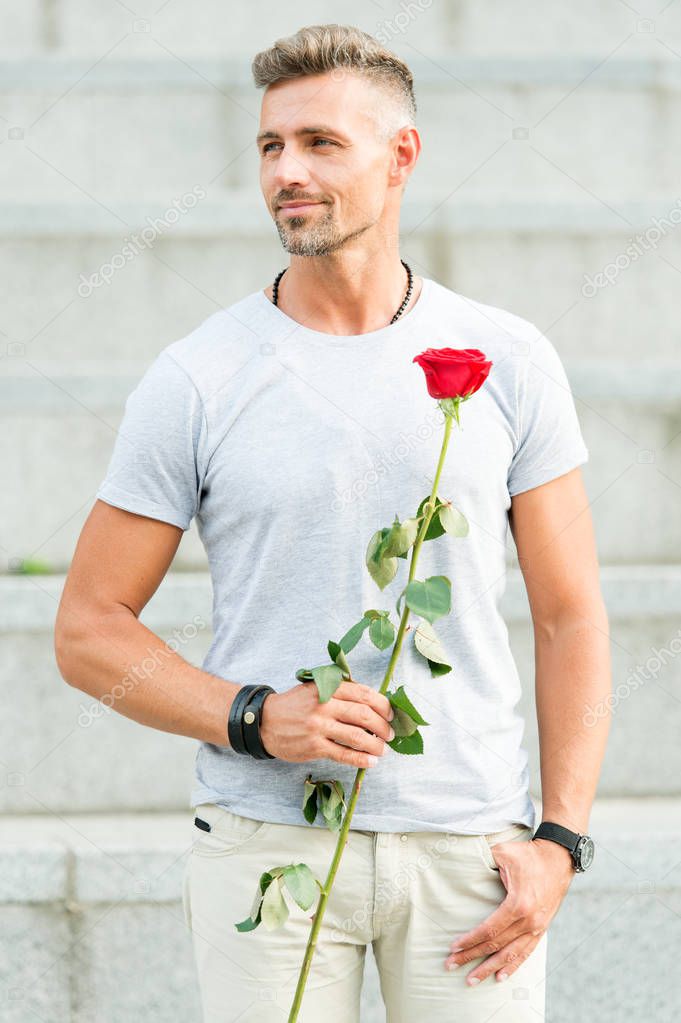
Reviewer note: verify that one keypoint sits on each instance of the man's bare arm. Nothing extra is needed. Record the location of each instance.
(551, 525)
(553, 531)
(118, 565)
(119, 562)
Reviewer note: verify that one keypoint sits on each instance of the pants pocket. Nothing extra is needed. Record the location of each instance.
(516, 833)
(228, 832)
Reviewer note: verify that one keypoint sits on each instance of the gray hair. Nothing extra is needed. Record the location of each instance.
(318, 49)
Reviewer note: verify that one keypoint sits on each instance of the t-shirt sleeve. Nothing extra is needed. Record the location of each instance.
(550, 441)
(154, 468)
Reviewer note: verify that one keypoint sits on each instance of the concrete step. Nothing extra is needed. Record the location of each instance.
(151, 127)
(92, 924)
(130, 767)
(562, 266)
(629, 415)
(470, 27)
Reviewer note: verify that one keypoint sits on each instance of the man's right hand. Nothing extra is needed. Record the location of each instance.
(351, 727)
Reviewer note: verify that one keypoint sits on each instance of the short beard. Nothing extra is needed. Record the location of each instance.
(318, 239)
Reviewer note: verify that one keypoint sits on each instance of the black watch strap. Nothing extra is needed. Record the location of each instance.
(252, 720)
(557, 833)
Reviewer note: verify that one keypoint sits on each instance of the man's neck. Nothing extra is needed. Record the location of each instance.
(345, 307)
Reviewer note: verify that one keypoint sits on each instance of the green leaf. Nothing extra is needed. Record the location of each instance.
(428, 644)
(310, 801)
(304, 675)
(454, 521)
(430, 599)
(248, 924)
(354, 634)
(408, 743)
(382, 632)
(337, 654)
(401, 701)
(435, 528)
(300, 882)
(332, 803)
(377, 544)
(382, 569)
(252, 921)
(438, 669)
(405, 723)
(274, 910)
(328, 677)
(401, 537)
(329, 797)
(334, 820)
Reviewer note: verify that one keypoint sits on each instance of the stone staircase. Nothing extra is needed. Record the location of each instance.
(550, 143)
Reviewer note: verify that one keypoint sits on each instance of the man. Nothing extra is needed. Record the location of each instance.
(293, 425)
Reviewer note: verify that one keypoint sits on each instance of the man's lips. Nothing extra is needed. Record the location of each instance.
(291, 207)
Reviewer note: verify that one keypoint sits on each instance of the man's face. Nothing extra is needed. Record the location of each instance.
(340, 167)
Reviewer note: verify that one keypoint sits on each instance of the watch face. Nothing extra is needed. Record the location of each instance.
(585, 852)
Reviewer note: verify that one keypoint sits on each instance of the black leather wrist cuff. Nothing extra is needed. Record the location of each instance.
(234, 722)
(243, 725)
(252, 720)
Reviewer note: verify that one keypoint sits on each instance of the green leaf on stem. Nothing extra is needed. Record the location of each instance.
(300, 882)
(274, 911)
(329, 797)
(332, 803)
(428, 644)
(435, 527)
(400, 538)
(328, 677)
(401, 702)
(382, 632)
(252, 921)
(381, 569)
(408, 743)
(454, 521)
(407, 739)
(337, 654)
(430, 599)
(310, 801)
(354, 634)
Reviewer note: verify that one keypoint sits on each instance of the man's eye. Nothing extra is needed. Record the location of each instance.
(266, 147)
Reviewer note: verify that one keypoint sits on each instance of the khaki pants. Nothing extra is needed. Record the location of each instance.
(408, 894)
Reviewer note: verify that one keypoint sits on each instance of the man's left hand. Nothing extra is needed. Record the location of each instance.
(536, 874)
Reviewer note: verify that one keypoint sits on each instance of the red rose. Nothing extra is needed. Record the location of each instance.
(453, 372)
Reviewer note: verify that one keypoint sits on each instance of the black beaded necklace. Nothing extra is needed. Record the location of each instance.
(405, 302)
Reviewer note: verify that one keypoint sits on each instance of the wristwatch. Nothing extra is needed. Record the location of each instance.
(581, 847)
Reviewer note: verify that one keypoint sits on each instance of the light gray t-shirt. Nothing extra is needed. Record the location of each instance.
(291, 447)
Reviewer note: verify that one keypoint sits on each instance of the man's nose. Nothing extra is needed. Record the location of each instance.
(290, 170)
